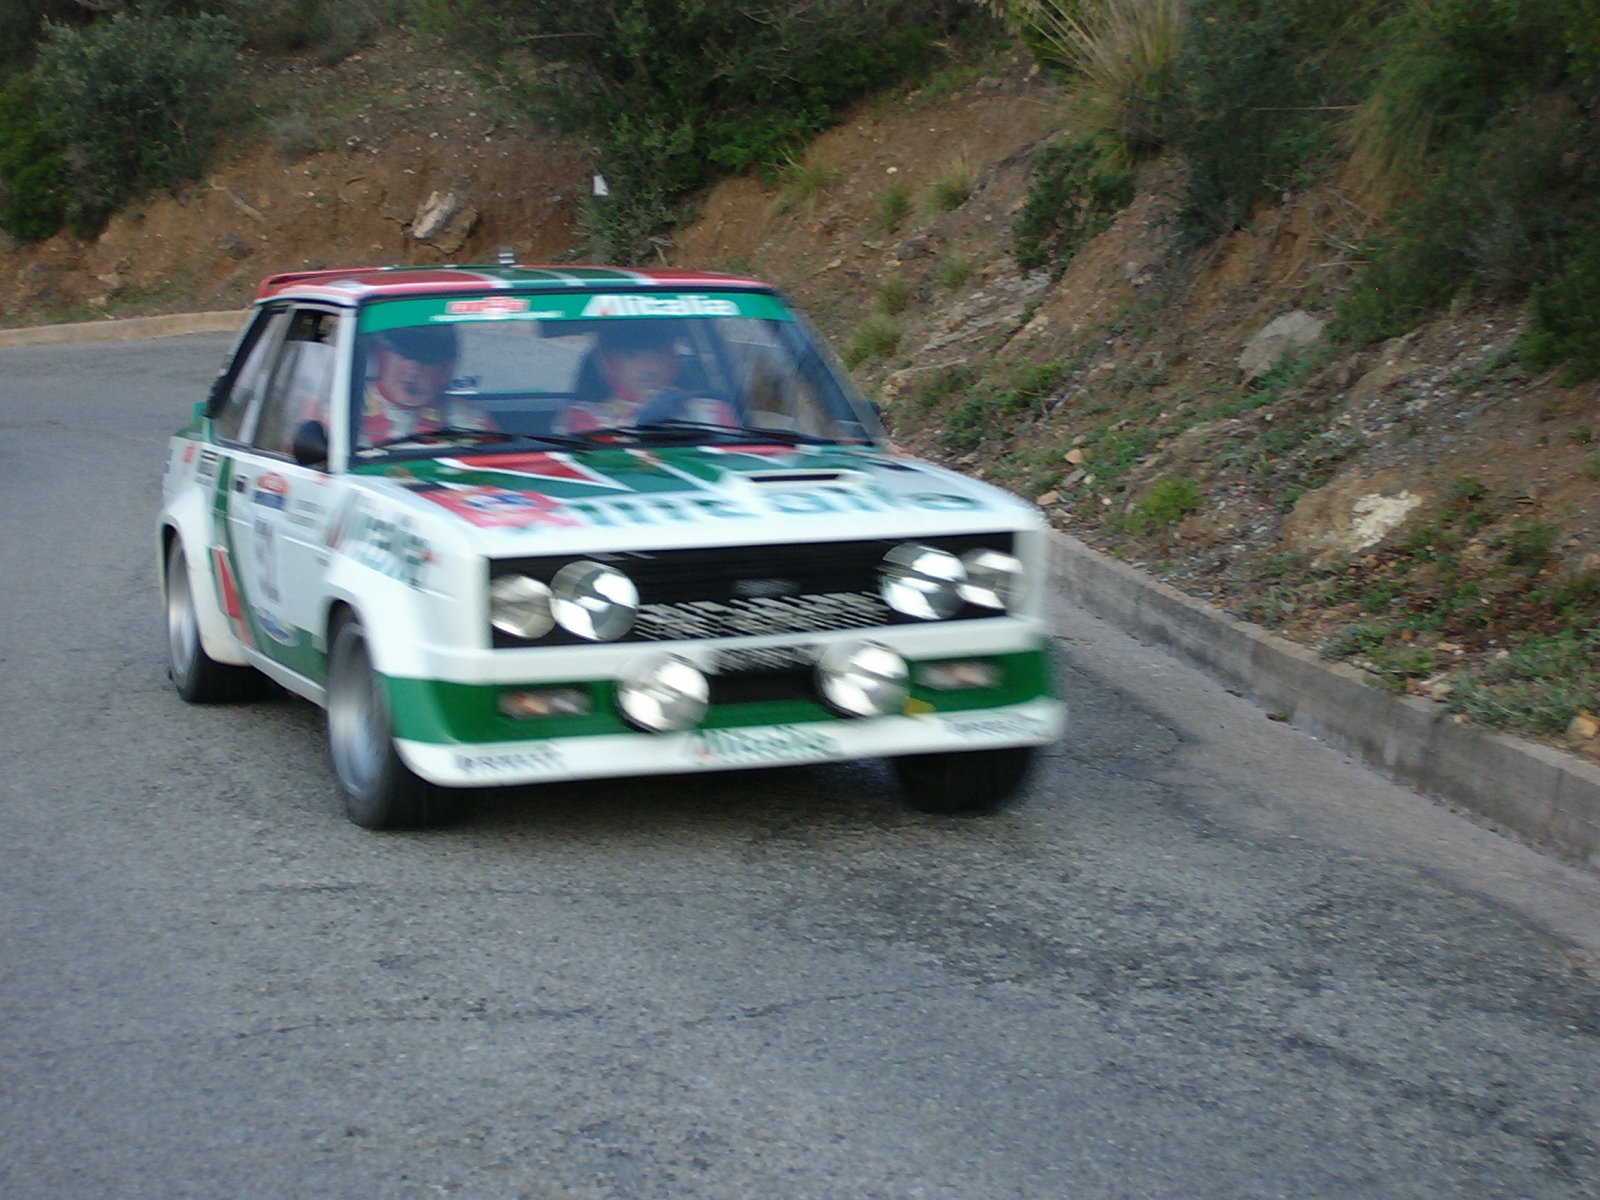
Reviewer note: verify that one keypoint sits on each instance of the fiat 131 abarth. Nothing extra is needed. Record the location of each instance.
(516, 524)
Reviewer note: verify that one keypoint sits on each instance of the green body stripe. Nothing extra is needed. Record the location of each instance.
(461, 713)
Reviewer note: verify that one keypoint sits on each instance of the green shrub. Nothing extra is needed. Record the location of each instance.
(894, 293)
(137, 103)
(955, 270)
(1255, 80)
(954, 184)
(1565, 325)
(333, 29)
(1073, 194)
(32, 170)
(876, 337)
(1167, 503)
(1540, 686)
(892, 205)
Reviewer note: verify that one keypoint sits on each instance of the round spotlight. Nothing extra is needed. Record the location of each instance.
(862, 679)
(921, 582)
(662, 694)
(520, 606)
(593, 602)
(994, 578)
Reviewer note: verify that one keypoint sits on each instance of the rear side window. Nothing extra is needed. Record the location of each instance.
(300, 387)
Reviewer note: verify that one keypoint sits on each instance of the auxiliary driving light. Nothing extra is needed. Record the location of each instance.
(993, 578)
(921, 582)
(520, 606)
(663, 694)
(862, 679)
(959, 676)
(545, 702)
(594, 602)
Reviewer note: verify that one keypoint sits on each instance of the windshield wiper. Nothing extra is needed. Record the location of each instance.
(456, 433)
(678, 429)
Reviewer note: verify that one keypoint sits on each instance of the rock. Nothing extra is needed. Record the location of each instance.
(1075, 456)
(444, 220)
(1073, 480)
(1276, 340)
(1046, 499)
(1583, 728)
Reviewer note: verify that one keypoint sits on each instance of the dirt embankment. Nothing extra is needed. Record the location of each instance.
(1302, 500)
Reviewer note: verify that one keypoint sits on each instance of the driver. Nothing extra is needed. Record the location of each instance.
(637, 362)
(410, 368)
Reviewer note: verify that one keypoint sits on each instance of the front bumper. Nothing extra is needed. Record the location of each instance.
(455, 734)
(600, 756)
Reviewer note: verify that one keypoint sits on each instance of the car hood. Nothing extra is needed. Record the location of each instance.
(640, 498)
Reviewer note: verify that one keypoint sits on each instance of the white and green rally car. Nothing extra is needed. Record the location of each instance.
(741, 574)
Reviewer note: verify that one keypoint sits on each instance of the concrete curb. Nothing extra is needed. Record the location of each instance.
(1538, 792)
(124, 330)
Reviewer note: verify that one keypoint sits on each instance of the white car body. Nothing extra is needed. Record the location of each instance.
(752, 559)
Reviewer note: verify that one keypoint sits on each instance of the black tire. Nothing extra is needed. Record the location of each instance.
(965, 781)
(199, 678)
(380, 791)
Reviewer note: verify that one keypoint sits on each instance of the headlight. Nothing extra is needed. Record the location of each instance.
(594, 602)
(862, 679)
(921, 582)
(662, 694)
(993, 578)
(520, 606)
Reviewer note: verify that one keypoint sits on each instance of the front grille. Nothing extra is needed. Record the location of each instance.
(740, 591)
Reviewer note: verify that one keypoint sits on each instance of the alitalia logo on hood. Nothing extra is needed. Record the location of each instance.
(687, 305)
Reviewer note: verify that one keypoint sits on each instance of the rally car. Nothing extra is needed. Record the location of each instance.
(511, 524)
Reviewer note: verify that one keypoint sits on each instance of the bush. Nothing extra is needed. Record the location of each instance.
(1072, 196)
(1566, 314)
(137, 102)
(32, 171)
(674, 91)
(1166, 504)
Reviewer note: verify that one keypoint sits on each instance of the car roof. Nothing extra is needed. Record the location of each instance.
(354, 284)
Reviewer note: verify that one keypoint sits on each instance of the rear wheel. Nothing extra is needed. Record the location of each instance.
(380, 791)
(199, 678)
(966, 781)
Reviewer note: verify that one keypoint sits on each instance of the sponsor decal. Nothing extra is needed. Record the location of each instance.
(488, 306)
(498, 508)
(688, 305)
(272, 491)
(188, 452)
(274, 628)
(229, 588)
(489, 764)
(389, 547)
(995, 725)
(772, 744)
(208, 464)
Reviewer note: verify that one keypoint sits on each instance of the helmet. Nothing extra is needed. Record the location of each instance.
(431, 344)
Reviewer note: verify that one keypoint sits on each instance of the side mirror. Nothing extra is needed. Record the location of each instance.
(310, 446)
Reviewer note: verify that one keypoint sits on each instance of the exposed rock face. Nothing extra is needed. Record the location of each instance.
(1352, 514)
(443, 221)
(1276, 341)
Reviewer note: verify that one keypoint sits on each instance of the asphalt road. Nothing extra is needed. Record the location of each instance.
(1204, 957)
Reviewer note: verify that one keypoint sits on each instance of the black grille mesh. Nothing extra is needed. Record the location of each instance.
(735, 591)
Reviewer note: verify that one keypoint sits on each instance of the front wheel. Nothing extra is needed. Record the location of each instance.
(199, 678)
(380, 791)
(964, 781)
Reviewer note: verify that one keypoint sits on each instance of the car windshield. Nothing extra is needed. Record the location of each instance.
(577, 370)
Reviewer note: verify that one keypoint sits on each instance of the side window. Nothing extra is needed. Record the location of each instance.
(249, 381)
(301, 384)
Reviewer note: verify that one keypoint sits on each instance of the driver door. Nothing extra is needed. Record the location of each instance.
(278, 508)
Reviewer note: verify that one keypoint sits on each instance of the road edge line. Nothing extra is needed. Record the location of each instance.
(124, 329)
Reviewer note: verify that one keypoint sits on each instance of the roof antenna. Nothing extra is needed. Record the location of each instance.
(507, 256)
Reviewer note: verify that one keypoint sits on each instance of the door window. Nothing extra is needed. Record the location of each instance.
(301, 386)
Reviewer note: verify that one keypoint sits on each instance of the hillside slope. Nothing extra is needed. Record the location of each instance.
(1423, 507)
